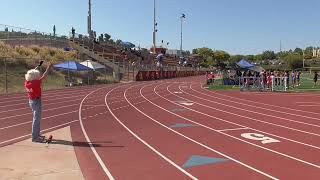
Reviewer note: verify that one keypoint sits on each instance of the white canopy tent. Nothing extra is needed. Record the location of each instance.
(93, 65)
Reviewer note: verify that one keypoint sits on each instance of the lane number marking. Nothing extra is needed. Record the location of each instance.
(259, 137)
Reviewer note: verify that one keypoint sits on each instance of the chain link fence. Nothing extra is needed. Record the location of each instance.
(17, 36)
(12, 76)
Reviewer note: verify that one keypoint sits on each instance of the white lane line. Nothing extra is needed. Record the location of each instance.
(43, 131)
(291, 140)
(102, 164)
(235, 129)
(255, 102)
(10, 105)
(267, 149)
(43, 98)
(144, 142)
(194, 141)
(234, 107)
(253, 119)
(309, 105)
(62, 91)
(94, 105)
(20, 124)
(282, 112)
(8, 117)
(46, 105)
(307, 102)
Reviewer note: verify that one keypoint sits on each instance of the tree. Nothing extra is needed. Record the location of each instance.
(54, 30)
(6, 29)
(118, 42)
(101, 38)
(73, 31)
(250, 58)
(221, 56)
(111, 41)
(106, 37)
(268, 55)
(205, 52)
(294, 60)
(298, 51)
(308, 52)
(236, 58)
(258, 58)
(194, 51)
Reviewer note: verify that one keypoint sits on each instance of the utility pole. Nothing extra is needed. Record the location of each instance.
(89, 20)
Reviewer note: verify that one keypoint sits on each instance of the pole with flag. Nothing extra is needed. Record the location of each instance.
(183, 16)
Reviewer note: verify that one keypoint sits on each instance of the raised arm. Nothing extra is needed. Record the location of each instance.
(45, 74)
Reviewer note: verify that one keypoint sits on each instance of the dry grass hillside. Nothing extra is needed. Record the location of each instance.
(32, 53)
(20, 59)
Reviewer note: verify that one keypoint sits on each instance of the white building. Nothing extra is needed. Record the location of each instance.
(316, 52)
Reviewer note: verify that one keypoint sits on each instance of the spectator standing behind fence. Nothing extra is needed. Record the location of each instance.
(315, 78)
(298, 78)
(287, 76)
(33, 87)
(210, 78)
(293, 77)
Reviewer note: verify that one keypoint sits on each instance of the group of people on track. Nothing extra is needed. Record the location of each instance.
(281, 78)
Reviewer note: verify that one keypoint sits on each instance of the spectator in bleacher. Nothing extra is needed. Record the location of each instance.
(33, 87)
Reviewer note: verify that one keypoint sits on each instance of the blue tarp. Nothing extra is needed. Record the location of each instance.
(72, 66)
(244, 64)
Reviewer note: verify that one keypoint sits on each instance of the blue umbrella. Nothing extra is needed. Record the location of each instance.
(72, 66)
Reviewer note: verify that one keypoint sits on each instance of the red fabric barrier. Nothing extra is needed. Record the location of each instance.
(153, 75)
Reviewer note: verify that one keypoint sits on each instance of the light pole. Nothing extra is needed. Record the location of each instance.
(154, 26)
(183, 16)
(89, 20)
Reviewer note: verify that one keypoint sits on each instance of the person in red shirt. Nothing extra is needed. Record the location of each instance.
(33, 87)
(209, 78)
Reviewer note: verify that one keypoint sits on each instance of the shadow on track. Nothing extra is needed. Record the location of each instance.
(107, 144)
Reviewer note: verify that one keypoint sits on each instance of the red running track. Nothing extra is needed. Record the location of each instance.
(150, 130)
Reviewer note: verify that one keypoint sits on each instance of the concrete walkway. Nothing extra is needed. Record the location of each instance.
(37, 161)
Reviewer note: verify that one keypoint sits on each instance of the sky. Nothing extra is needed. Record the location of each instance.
(236, 26)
